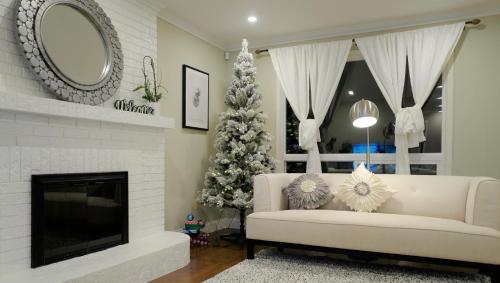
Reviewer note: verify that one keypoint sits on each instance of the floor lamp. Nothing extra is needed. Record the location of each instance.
(364, 114)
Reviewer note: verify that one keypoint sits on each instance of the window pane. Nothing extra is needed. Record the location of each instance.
(348, 167)
(339, 136)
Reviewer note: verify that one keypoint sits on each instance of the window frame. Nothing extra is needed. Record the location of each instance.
(442, 160)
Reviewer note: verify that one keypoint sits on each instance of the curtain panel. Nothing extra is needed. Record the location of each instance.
(427, 50)
(321, 66)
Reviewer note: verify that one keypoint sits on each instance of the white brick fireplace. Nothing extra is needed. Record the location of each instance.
(32, 143)
(39, 135)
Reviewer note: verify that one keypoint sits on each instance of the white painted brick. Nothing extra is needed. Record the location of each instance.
(8, 140)
(152, 185)
(32, 119)
(33, 141)
(11, 188)
(4, 164)
(7, 115)
(45, 131)
(17, 198)
(10, 128)
(14, 232)
(16, 209)
(15, 164)
(63, 122)
(99, 134)
(14, 221)
(82, 123)
(15, 244)
(76, 133)
(14, 255)
(26, 164)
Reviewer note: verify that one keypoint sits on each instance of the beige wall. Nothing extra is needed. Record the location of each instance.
(476, 134)
(476, 130)
(187, 151)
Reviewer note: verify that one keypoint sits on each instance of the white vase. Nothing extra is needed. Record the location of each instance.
(156, 108)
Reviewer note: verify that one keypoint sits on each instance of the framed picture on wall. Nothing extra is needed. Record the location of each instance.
(195, 98)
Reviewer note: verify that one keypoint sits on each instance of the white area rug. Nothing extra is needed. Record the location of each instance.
(271, 266)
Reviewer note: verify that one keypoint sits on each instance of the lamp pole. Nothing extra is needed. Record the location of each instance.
(364, 114)
(368, 148)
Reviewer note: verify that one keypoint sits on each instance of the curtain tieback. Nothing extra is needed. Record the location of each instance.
(410, 125)
(308, 134)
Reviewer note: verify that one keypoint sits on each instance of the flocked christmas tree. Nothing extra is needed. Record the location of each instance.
(242, 146)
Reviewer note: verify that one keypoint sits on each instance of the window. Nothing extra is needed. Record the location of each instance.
(343, 146)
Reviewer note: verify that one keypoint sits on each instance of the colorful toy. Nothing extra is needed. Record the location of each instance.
(200, 239)
(193, 227)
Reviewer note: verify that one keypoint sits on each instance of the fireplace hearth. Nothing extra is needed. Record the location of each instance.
(77, 214)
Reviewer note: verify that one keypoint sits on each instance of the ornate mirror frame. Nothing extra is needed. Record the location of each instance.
(28, 21)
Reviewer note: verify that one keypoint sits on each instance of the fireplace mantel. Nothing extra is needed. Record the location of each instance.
(58, 108)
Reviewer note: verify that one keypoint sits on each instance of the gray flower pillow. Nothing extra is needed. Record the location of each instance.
(308, 191)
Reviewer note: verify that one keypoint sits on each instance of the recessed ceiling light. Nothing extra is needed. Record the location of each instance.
(252, 19)
(440, 98)
(350, 92)
(440, 86)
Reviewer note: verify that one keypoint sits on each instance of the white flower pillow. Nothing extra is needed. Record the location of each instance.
(364, 191)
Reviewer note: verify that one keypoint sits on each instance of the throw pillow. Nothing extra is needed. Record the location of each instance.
(308, 191)
(363, 191)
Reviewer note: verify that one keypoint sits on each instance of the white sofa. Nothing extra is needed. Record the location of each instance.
(455, 220)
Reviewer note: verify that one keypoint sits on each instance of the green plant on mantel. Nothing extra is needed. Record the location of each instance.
(152, 89)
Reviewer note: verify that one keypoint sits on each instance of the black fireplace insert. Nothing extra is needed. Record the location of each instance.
(77, 214)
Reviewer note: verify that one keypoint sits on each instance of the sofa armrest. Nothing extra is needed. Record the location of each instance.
(267, 195)
(483, 203)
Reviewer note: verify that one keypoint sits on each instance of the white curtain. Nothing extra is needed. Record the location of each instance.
(327, 62)
(317, 67)
(428, 50)
(385, 55)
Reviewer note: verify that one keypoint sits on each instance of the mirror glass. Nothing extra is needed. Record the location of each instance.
(74, 44)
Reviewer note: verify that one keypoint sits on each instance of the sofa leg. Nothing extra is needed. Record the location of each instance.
(250, 249)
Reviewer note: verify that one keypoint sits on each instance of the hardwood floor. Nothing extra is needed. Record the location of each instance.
(206, 262)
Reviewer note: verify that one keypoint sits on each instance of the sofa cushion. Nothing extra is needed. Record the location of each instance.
(307, 191)
(363, 191)
(433, 196)
(378, 232)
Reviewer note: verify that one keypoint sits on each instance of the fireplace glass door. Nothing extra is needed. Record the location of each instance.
(75, 214)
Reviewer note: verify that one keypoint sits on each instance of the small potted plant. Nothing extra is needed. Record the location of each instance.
(152, 88)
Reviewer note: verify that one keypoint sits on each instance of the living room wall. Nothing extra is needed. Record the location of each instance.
(187, 150)
(476, 134)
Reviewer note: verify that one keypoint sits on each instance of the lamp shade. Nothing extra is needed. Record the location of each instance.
(364, 114)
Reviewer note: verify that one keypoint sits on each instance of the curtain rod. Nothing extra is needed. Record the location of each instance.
(471, 22)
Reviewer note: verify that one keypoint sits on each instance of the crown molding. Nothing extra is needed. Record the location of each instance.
(189, 28)
(353, 30)
(349, 30)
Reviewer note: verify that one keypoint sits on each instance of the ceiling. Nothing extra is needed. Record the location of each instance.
(224, 22)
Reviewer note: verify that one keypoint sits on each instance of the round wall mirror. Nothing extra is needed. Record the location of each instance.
(76, 48)
(72, 47)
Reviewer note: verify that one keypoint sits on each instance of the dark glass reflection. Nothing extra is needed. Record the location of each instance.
(339, 136)
(75, 214)
(65, 208)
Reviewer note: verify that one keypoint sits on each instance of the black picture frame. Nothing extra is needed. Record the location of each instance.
(188, 84)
